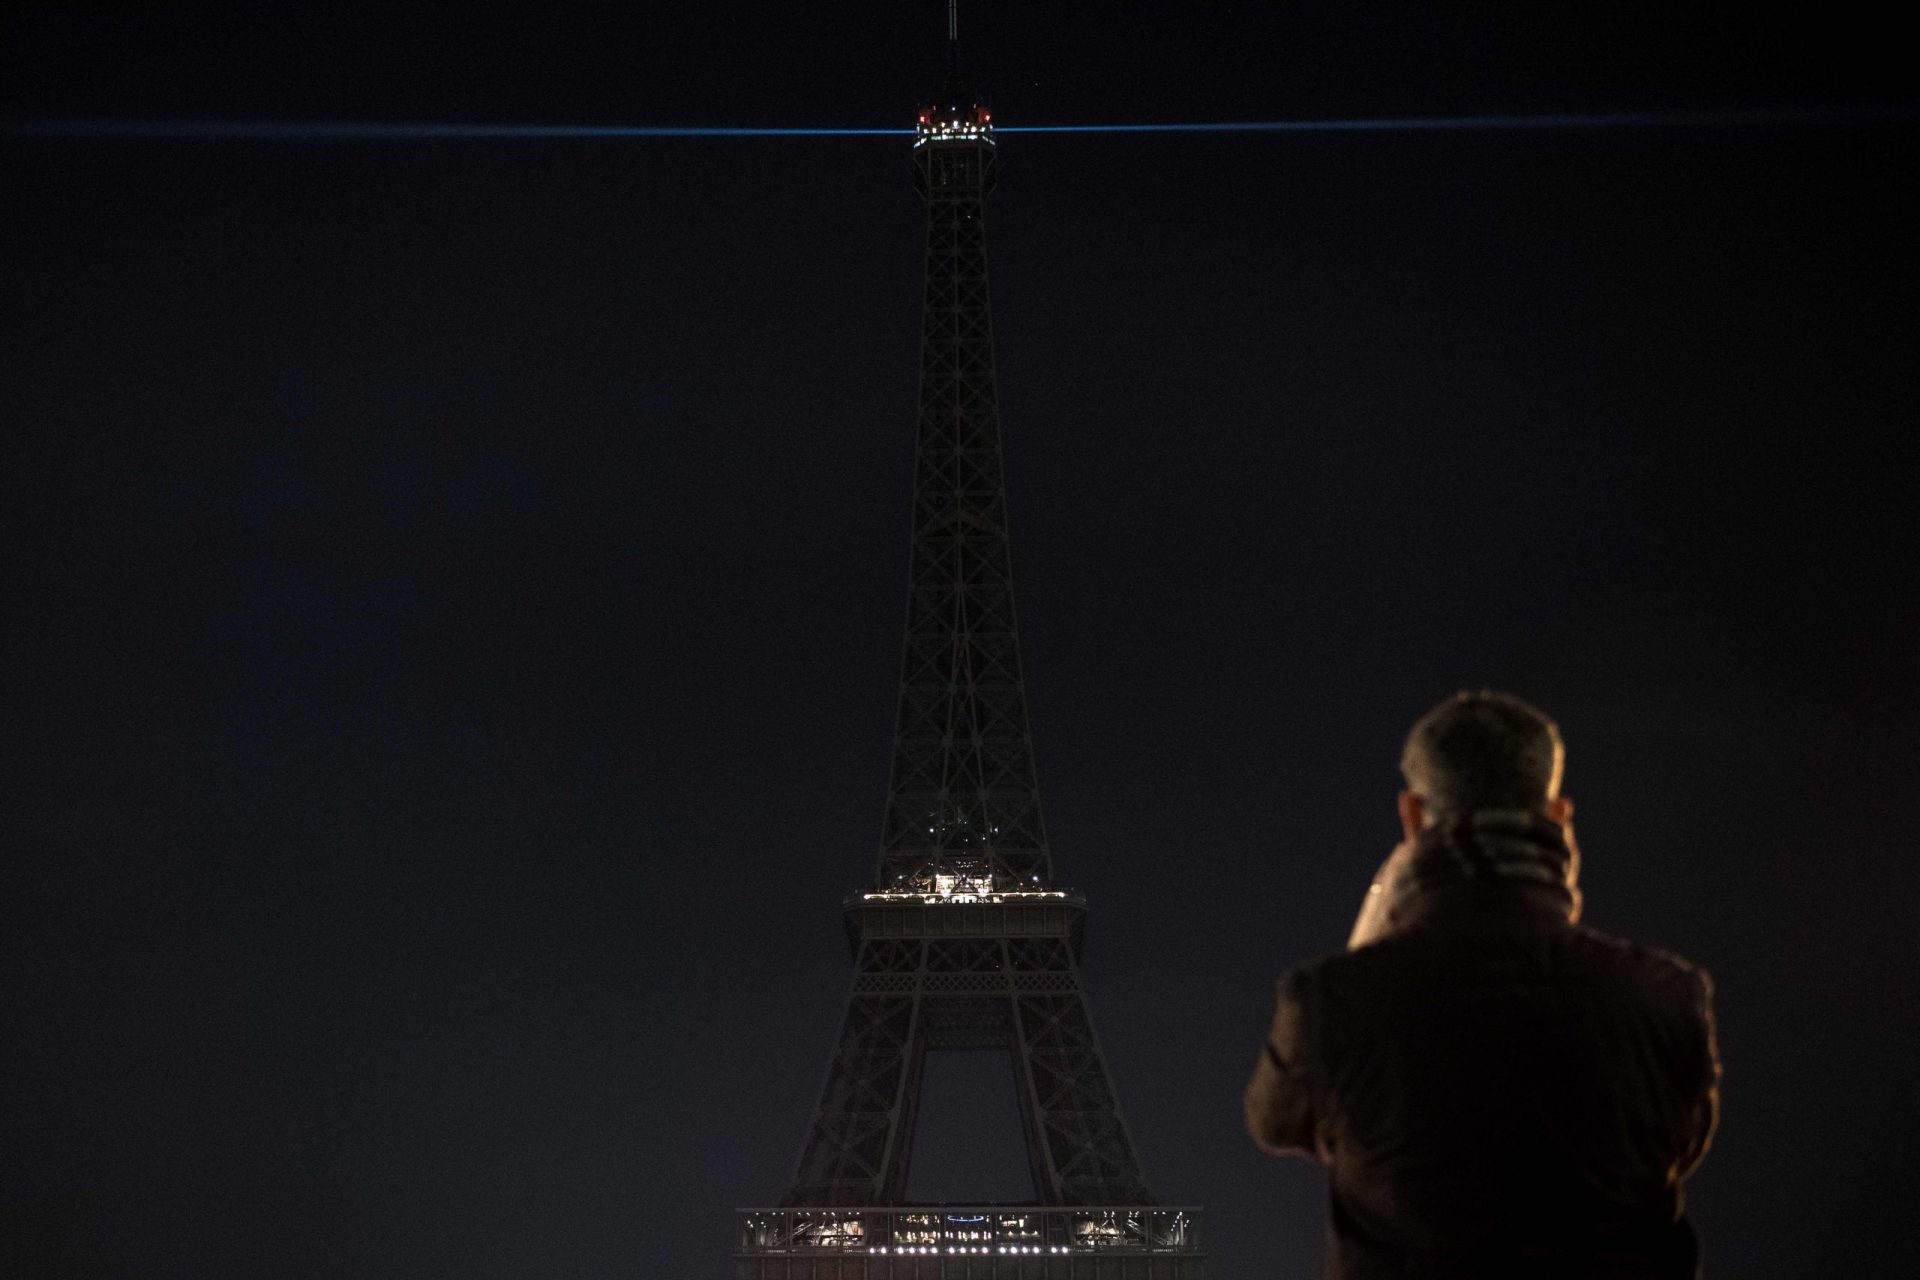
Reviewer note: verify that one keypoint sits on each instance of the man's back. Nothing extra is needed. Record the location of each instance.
(1497, 1092)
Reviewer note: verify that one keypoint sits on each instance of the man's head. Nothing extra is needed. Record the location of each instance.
(1481, 750)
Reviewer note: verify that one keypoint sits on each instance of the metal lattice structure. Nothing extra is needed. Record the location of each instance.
(964, 941)
(962, 803)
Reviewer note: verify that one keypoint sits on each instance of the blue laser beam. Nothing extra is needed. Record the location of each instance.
(1566, 120)
(388, 131)
(425, 131)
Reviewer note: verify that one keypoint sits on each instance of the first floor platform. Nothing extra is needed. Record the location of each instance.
(970, 1242)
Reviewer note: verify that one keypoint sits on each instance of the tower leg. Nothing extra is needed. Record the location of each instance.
(853, 1154)
(1076, 1122)
(1018, 994)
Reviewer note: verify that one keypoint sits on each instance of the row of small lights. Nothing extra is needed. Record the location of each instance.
(984, 897)
(946, 129)
(975, 1248)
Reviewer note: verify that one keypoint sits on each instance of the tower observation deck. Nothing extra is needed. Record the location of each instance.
(964, 940)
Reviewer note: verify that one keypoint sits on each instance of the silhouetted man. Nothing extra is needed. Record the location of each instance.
(1495, 1090)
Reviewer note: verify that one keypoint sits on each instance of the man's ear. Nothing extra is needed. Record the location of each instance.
(1413, 816)
(1560, 810)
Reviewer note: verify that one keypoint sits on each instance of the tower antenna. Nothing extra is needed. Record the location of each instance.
(953, 34)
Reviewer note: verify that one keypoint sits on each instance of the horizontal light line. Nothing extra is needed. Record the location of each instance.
(1595, 120)
(374, 131)
(422, 131)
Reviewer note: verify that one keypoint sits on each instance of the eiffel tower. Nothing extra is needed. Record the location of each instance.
(964, 942)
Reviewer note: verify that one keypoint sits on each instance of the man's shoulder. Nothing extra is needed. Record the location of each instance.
(1650, 966)
(1416, 957)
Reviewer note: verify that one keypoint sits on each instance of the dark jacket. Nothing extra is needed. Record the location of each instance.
(1496, 1092)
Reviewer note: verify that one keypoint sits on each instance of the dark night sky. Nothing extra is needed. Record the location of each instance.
(452, 589)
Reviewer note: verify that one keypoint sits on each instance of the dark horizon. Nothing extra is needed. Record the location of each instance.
(454, 589)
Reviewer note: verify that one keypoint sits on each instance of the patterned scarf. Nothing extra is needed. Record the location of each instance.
(1490, 844)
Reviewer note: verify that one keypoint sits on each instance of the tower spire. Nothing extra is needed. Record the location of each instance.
(955, 85)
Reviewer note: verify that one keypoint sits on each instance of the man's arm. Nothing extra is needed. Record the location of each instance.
(1706, 1102)
(1281, 1115)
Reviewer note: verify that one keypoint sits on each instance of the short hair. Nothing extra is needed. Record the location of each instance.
(1483, 750)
